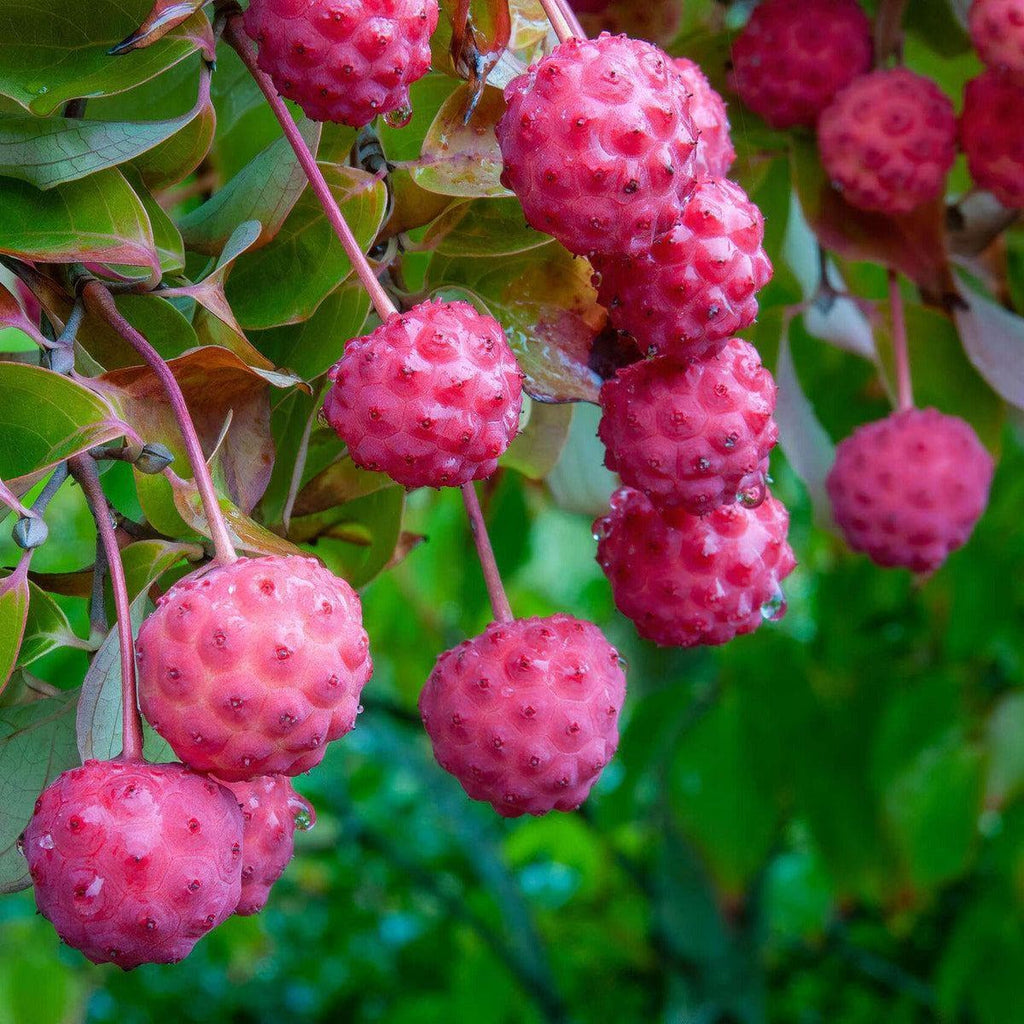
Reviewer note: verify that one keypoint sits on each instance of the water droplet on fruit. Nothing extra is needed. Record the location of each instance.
(399, 117)
(304, 820)
(46, 842)
(775, 607)
(753, 491)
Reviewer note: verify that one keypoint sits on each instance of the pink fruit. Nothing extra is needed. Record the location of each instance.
(598, 144)
(908, 490)
(888, 141)
(343, 60)
(715, 153)
(793, 56)
(697, 286)
(692, 435)
(992, 134)
(526, 715)
(997, 31)
(134, 863)
(271, 811)
(687, 580)
(253, 667)
(432, 397)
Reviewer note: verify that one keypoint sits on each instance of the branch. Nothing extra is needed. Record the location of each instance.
(904, 387)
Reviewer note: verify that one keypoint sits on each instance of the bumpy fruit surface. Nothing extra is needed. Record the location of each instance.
(715, 153)
(698, 284)
(692, 435)
(271, 811)
(908, 490)
(992, 134)
(687, 580)
(526, 715)
(598, 144)
(793, 56)
(343, 60)
(252, 668)
(888, 141)
(432, 397)
(134, 863)
(997, 31)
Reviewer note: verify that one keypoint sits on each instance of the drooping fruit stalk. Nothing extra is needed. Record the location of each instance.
(904, 388)
(84, 470)
(100, 303)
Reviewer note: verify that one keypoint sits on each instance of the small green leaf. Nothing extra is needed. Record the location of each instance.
(37, 743)
(14, 598)
(46, 418)
(48, 57)
(539, 444)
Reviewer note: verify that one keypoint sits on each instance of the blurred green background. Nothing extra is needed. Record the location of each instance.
(822, 822)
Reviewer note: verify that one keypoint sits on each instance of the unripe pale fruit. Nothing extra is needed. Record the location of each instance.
(698, 284)
(432, 397)
(526, 715)
(253, 667)
(343, 60)
(888, 141)
(793, 56)
(133, 863)
(992, 134)
(909, 489)
(691, 435)
(997, 31)
(598, 144)
(687, 580)
(271, 812)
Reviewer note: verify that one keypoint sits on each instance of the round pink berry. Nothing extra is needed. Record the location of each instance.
(432, 397)
(693, 435)
(254, 667)
(992, 134)
(687, 580)
(715, 153)
(697, 286)
(526, 715)
(793, 56)
(133, 863)
(997, 31)
(888, 141)
(343, 60)
(908, 490)
(598, 144)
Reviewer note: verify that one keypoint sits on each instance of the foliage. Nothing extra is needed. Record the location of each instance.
(820, 822)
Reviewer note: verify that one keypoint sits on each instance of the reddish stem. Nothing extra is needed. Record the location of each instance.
(100, 302)
(495, 590)
(904, 388)
(83, 469)
(236, 36)
(563, 20)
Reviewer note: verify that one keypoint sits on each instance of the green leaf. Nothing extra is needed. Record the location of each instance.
(721, 796)
(46, 418)
(1005, 741)
(993, 338)
(579, 481)
(265, 190)
(37, 743)
(98, 219)
(484, 227)
(55, 150)
(313, 346)
(48, 58)
(14, 598)
(306, 253)
(46, 629)
(538, 445)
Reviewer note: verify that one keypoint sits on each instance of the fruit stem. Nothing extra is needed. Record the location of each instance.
(563, 20)
(904, 388)
(237, 38)
(84, 470)
(495, 590)
(100, 302)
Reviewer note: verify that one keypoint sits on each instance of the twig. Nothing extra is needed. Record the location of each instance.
(100, 302)
(495, 589)
(904, 387)
(563, 21)
(237, 38)
(84, 470)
